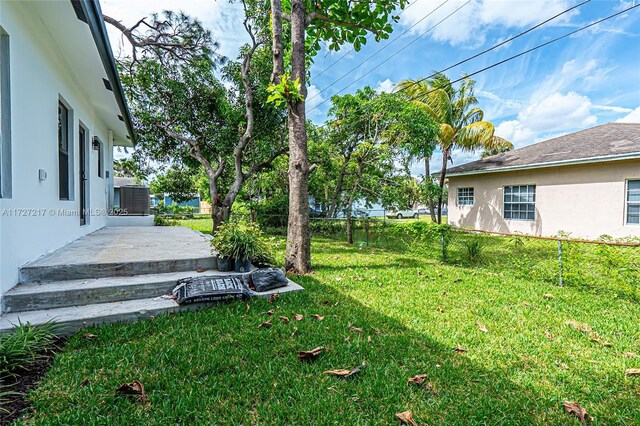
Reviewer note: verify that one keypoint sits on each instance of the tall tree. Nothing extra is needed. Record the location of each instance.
(336, 22)
(460, 120)
(186, 115)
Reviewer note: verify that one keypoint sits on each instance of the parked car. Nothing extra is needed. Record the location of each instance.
(401, 214)
(316, 213)
(423, 211)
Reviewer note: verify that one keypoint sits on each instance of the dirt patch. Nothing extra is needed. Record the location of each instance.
(22, 381)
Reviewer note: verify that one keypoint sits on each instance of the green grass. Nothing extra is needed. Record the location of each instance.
(216, 367)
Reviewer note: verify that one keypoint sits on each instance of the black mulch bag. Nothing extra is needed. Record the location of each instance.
(210, 288)
(265, 279)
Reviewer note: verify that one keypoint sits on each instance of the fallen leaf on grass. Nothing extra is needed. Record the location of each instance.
(594, 338)
(459, 349)
(430, 388)
(343, 374)
(561, 365)
(318, 317)
(89, 336)
(406, 417)
(418, 379)
(439, 309)
(630, 355)
(248, 307)
(548, 296)
(284, 319)
(633, 372)
(270, 312)
(273, 297)
(482, 328)
(84, 383)
(575, 409)
(133, 390)
(548, 334)
(295, 330)
(355, 329)
(311, 355)
(298, 317)
(585, 328)
(369, 339)
(265, 324)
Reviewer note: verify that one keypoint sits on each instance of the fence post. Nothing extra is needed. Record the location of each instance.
(444, 250)
(560, 261)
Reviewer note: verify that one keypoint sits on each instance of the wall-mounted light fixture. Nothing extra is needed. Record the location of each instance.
(95, 143)
(42, 175)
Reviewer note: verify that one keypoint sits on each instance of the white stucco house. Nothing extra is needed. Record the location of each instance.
(586, 183)
(62, 111)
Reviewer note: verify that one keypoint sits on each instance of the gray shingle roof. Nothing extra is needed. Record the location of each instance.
(599, 143)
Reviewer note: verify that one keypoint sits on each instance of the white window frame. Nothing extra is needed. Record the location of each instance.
(628, 203)
(465, 196)
(518, 203)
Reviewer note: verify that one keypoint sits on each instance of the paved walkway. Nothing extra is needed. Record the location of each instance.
(130, 244)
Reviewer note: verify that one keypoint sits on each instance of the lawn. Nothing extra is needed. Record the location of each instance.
(518, 358)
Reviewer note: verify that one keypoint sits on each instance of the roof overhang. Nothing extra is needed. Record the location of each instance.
(93, 15)
(590, 160)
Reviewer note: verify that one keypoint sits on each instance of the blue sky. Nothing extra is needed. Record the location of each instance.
(587, 79)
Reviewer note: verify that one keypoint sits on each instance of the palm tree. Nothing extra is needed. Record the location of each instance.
(461, 121)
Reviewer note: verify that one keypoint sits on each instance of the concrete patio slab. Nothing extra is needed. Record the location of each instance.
(123, 251)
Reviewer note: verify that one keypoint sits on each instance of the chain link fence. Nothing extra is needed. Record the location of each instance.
(605, 264)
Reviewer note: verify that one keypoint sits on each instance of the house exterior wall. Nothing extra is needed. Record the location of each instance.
(40, 76)
(586, 200)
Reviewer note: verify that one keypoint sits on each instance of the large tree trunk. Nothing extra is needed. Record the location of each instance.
(298, 256)
(427, 177)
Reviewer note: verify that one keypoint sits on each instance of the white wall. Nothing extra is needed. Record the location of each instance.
(586, 200)
(39, 76)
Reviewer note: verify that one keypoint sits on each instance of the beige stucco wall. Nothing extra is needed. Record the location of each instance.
(586, 200)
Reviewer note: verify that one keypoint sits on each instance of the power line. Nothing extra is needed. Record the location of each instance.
(352, 48)
(525, 51)
(516, 55)
(390, 57)
(392, 41)
(497, 45)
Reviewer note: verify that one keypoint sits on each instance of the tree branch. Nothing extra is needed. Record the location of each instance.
(320, 16)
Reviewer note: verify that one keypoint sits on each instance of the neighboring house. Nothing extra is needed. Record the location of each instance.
(586, 183)
(168, 201)
(62, 111)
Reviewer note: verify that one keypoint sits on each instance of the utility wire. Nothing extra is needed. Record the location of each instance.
(516, 55)
(456, 64)
(497, 45)
(368, 37)
(510, 58)
(392, 41)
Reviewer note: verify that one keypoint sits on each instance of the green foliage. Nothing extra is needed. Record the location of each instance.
(272, 212)
(177, 182)
(24, 345)
(287, 91)
(241, 239)
(474, 249)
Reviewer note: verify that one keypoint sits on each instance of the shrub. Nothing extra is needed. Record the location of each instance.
(24, 345)
(272, 212)
(473, 249)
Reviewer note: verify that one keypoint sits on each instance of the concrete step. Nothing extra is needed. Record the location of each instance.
(82, 271)
(59, 294)
(72, 318)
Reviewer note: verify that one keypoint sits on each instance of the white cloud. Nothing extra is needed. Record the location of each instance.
(470, 24)
(385, 86)
(554, 113)
(632, 117)
(314, 98)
